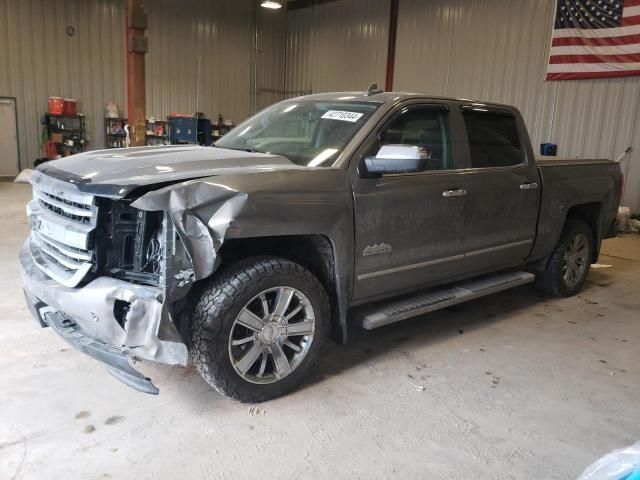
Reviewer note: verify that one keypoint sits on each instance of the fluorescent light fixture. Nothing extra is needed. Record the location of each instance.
(271, 5)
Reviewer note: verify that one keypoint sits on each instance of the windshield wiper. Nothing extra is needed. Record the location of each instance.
(241, 149)
(238, 149)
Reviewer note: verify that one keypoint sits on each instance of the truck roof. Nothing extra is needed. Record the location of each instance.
(392, 97)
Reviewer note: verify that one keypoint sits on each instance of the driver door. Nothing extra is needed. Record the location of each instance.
(409, 227)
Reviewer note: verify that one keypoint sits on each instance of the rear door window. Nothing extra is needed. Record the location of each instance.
(493, 138)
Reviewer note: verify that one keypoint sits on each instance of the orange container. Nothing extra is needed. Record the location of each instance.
(56, 105)
(69, 106)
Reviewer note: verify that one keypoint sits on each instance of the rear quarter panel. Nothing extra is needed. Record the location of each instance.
(567, 183)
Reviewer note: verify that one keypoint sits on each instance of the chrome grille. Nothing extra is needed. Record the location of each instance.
(65, 208)
(69, 257)
(62, 219)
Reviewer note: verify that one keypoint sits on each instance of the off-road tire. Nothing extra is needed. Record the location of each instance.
(217, 307)
(550, 281)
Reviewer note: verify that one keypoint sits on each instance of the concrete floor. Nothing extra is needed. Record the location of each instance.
(509, 386)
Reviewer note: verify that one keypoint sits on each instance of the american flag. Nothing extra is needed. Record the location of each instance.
(595, 39)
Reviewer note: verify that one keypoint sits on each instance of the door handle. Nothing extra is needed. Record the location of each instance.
(454, 192)
(529, 186)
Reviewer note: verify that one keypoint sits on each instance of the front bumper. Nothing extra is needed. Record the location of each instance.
(116, 361)
(91, 319)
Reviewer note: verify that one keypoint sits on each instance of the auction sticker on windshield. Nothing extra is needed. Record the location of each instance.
(342, 115)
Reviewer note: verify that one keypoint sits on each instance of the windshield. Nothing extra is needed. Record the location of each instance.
(307, 132)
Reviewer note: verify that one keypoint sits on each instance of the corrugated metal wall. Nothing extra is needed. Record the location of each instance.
(493, 50)
(474, 49)
(497, 50)
(337, 46)
(271, 34)
(213, 38)
(199, 57)
(38, 59)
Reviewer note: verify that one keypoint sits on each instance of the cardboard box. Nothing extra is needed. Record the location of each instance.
(57, 137)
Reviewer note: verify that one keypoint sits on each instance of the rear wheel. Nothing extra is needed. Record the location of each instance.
(258, 327)
(569, 263)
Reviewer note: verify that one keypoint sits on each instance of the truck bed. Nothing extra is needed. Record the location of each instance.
(548, 161)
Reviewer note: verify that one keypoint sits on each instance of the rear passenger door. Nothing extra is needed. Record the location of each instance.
(503, 190)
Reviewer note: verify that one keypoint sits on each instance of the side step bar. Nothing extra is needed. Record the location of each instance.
(372, 317)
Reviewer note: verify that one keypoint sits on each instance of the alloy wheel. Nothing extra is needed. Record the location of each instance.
(271, 335)
(576, 260)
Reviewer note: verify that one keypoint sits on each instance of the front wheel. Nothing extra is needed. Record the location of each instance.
(258, 327)
(569, 263)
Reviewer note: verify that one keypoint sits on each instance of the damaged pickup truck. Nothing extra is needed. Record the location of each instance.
(318, 212)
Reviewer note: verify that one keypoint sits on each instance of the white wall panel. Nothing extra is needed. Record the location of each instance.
(199, 57)
(337, 46)
(631, 170)
(38, 59)
(271, 34)
(474, 49)
(496, 50)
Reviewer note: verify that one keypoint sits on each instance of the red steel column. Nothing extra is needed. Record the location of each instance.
(137, 46)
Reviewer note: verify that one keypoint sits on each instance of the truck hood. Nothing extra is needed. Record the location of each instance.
(115, 173)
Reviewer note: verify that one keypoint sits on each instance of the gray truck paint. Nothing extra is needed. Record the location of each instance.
(415, 237)
(115, 173)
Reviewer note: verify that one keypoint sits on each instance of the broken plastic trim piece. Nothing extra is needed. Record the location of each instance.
(117, 362)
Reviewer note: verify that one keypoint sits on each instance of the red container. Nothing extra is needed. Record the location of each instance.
(69, 107)
(56, 105)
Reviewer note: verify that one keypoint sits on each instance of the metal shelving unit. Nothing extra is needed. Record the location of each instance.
(160, 135)
(114, 134)
(67, 133)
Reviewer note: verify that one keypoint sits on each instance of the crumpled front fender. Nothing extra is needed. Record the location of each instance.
(201, 212)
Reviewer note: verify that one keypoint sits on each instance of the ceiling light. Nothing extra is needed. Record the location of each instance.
(271, 5)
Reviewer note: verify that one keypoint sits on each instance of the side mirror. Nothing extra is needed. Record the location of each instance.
(397, 159)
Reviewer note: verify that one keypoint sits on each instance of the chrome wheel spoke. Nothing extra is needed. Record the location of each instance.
(265, 305)
(575, 245)
(302, 328)
(250, 320)
(263, 365)
(249, 358)
(293, 346)
(242, 341)
(581, 256)
(280, 360)
(293, 312)
(283, 300)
